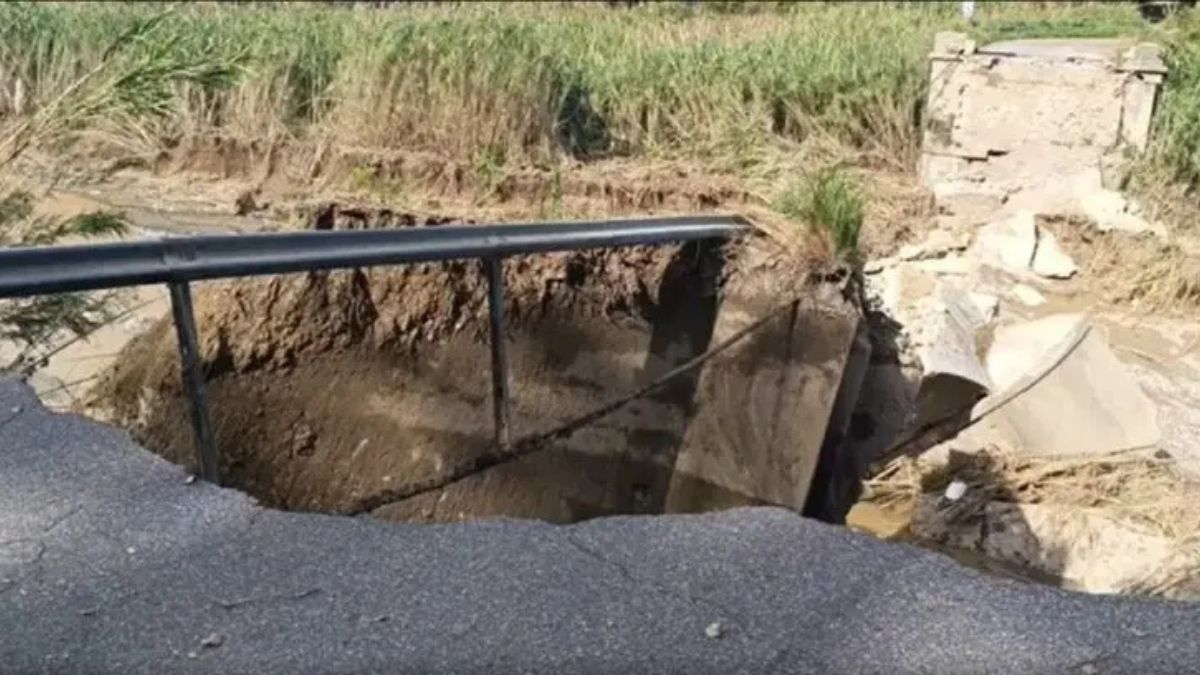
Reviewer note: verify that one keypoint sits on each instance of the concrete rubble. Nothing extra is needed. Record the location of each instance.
(1016, 244)
(1018, 131)
(1075, 395)
(1042, 125)
(1027, 295)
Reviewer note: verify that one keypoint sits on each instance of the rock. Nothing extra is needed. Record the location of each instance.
(1028, 295)
(213, 641)
(1078, 398)
(1016, 244)
(1109, 210)
(304, 440)
(713, 630)
(955, 490)
(987, 304)
(1009, 242)
(1050, 261)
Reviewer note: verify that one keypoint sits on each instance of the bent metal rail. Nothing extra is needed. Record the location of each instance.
(177, 261)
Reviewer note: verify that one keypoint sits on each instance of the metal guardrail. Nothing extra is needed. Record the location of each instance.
(179, 261)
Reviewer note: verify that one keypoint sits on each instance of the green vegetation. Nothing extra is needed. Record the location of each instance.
(1176, 152)
(520, 82)
(32, 322)
(492, 86)
(829, 201)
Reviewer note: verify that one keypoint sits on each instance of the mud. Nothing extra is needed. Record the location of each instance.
(327, 389)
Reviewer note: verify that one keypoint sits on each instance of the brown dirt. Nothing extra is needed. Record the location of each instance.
(330, 387)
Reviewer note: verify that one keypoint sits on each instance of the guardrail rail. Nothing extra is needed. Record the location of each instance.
(178, 261)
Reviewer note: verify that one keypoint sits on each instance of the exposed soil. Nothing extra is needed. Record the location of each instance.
(328, 388)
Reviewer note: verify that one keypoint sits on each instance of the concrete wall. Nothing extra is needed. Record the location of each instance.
(1034, 123)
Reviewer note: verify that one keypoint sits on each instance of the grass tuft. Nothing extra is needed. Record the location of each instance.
(829, 201)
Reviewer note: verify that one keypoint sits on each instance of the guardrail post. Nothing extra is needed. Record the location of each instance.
(494, 267)
(193, 379)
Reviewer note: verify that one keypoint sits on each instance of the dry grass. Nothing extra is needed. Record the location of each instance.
(1133, 487)
(1141, 272)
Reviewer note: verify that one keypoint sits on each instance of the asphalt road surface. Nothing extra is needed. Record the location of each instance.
(111, 562)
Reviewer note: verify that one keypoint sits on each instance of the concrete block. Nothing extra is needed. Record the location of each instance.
(1080, 398)
(762, 408)
(1050, 260)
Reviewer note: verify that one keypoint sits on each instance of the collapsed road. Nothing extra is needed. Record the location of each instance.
(113, 561)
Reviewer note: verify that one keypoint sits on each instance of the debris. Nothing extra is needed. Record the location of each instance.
(131, 550)
(1028, 295)
(937, 244)
(304, 440)
(1015, 243)
(1109, 210)
(986, 303)
(950, 265)
(1086, 403)
(1009, 242)
(1050, 261)
(955, 490)
(713, 630)
(191, 478)
(245, 204)
(213, 641)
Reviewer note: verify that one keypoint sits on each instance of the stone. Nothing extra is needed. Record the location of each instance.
(1028, 295)
(1109, 210)
(1049, 260)
(987, 304)
(1009, 242)
(213, 641)
(1075, 397)
(1015, 243)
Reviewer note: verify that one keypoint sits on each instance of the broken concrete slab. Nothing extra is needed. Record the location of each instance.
(1016, 244)
(1009, 242)
(1059, 390)
(1110, 210)
(1035, 124)
(1050, 260)
(938, 243)
(940, 322)
(784, 378)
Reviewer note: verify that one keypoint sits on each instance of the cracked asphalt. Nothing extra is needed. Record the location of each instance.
(110, 562)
